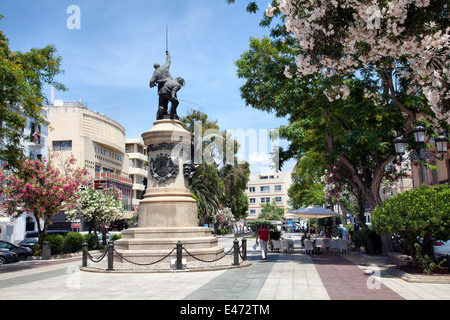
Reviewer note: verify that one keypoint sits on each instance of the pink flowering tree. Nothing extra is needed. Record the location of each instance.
(397, 50)
(404, 43)
(222, 218)
(41, 188)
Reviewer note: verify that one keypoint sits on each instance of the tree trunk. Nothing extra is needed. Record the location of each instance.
(371, 191)
(344, 211)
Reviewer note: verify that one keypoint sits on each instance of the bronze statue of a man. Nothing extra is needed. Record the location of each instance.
(167, 89)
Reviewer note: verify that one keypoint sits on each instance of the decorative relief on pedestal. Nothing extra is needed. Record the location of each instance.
(189, 170)
(162, 167)
(161, 146)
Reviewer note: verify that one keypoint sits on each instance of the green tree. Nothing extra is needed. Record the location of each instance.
(354, 131)
(235, 178)
(270, 211)
(23, 75)
(307, 187)
(204, 187)
(344, 98)
(417, 216)
(219, 179)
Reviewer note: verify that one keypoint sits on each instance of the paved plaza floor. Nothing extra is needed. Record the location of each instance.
(283, 276)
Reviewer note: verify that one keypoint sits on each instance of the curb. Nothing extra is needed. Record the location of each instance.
(64, 256)
(418, 278)
(408, 277)
(198, 269)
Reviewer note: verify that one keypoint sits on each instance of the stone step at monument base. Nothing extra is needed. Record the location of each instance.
(165, 243)
(146, 245)
(166, 232)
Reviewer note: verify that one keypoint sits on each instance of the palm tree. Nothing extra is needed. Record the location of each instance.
(206, 192)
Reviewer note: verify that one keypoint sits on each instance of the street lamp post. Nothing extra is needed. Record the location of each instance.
(420, 154)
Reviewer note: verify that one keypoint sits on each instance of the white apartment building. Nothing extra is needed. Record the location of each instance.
(14, 229)
(138, 171)
(265, 188)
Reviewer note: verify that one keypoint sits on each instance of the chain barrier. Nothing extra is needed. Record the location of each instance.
(207, 261)
(240, 252)
(143, 264)
(97, 260)
(87, 255)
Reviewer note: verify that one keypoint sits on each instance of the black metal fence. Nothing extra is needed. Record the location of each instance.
(238, 252)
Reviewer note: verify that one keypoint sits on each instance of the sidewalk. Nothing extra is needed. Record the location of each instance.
(283, 276)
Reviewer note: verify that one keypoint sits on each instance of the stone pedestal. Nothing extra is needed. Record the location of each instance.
(168, 212)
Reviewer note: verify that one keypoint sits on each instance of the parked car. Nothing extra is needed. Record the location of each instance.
(29, 242)
(22, 252)
(35, 234)
(441, 248)
(7, 256)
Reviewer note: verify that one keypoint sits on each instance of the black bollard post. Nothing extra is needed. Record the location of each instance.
(179, 255)
(236, 252)
(84, 246)
(244, 249)
(110, 256)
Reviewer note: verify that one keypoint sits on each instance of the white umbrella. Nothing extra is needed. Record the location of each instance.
(312, 212)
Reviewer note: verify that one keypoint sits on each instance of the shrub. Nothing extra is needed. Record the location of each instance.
(116, 236)
(369, 239)
(275, 235)
(92, 240)
(56, 241)
(73, 242)
(418, 214)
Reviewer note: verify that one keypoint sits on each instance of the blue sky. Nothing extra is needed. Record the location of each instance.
(108, 62)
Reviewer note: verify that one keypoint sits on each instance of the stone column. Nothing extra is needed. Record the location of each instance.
(167, 201)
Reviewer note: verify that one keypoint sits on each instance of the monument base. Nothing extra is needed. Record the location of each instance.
(168, 212)
(147, 245)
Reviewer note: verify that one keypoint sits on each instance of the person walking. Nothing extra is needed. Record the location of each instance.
(263, 235)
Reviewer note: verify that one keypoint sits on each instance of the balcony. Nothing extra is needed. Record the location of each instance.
(138, 171)
(138, 186)
(137, 155)
(112, 177)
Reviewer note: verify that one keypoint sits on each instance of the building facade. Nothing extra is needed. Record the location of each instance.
(266, 188)
(96, 141)
(36, 147)
(138, 171)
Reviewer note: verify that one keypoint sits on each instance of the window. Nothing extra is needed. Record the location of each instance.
(29, 224)
(265, 200)
(278, 188)
(278, 199)
(264, 188)
(252, 200)
(252, 212)
(35, 133)
(251, 189)
(62, 145)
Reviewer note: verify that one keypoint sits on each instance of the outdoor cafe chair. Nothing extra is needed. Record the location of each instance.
(276, 245)
(343, 245)
(326, 244)
(335, 244)
(309, 247)
(284, 245)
